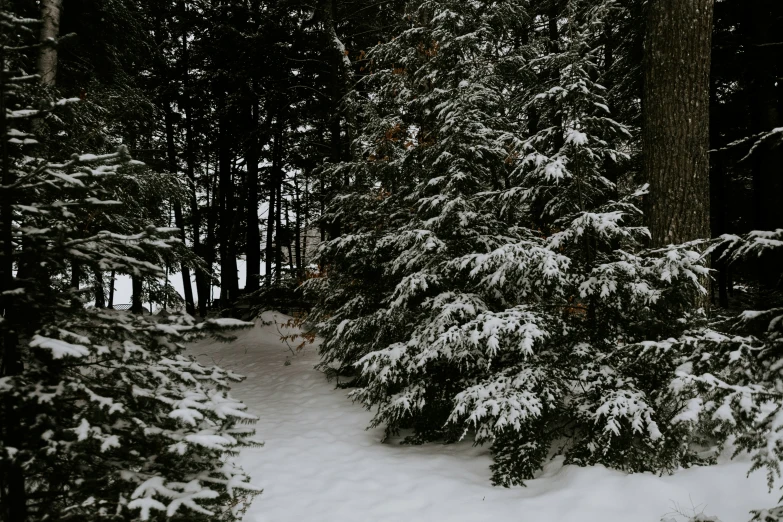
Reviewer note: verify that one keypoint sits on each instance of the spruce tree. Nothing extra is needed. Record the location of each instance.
(489, 268)
(103, 414)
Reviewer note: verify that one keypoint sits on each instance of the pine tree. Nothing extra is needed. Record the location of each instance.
(489, 269)
(103, 415)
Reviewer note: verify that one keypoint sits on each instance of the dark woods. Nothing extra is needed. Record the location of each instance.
(526, 222)
(244, 102)
(250, 102)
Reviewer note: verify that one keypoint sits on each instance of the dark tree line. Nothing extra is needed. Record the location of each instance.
(249, 102)
(473, 172)
(244, 101)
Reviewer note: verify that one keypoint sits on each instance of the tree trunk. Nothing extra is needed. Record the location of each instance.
(253, 238)
(100, 291)
(212, 218)
(274, 173)
(233, 253)
(306, 221)
(288, 238)
(226, 194)
(675, 131)
(50, 30)
(136, 303)
(341, 84)
(179, 221)
(76, 275)
(111, 289)
(278, 224)
(202, 284)
(297, 228)
(322, 203)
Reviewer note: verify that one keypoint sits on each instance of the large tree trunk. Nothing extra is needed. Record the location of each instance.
(675, 130)
(50, 30)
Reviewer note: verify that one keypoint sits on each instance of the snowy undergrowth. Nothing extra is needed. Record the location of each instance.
(320, 463)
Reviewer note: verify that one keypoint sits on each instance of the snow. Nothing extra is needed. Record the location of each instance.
(320, 463)
(59, 348)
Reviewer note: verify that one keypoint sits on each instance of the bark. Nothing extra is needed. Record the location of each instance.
(50, 30)
(675, 131)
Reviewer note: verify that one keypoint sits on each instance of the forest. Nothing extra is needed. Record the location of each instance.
(547, 227)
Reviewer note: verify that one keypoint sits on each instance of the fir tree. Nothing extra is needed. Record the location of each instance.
(103, 415)
(509, 268)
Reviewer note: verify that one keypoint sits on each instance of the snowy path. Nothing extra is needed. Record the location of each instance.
(319, 463)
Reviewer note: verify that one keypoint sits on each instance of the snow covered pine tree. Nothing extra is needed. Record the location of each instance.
(728, 372)
(103, 417)
(491, 278)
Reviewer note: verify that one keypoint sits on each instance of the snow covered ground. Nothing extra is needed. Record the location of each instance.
(320, 464)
